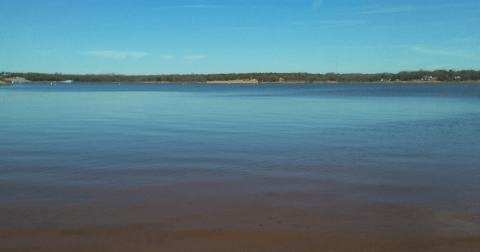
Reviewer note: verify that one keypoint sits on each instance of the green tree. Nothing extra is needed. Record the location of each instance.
(442, 77)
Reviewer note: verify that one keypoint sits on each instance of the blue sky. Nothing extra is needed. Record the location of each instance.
(183, 37)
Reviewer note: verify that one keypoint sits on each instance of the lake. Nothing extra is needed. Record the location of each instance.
(400, 159)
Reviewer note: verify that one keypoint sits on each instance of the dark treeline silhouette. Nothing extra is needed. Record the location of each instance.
(441, 75)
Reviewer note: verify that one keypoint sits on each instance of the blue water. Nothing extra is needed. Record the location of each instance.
(411, 144)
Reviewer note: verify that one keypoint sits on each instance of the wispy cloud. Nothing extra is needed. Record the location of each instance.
(45, 52)
(194, 57)
(196, 6)
(330, 23)
(407, 8)
(166, 57)
(238, 28)
(117, 54)
(390, 10)
(316, 4)
(457, 53)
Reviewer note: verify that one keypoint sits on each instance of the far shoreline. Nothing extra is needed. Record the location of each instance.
(246, 81)
(411, 77)
(284, 82)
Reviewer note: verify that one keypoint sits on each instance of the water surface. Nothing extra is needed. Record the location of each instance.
(108, 146)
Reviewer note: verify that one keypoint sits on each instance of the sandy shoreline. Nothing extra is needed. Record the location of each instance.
(233, 81)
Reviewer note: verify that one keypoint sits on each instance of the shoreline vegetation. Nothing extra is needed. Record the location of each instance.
(421, 76)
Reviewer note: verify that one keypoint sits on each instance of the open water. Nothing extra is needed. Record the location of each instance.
(111, 146)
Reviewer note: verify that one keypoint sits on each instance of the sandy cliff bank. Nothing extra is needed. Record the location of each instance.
(2, 83)
(234, 81)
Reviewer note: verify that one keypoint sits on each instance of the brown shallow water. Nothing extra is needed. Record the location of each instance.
(145, 238)
(267, 222)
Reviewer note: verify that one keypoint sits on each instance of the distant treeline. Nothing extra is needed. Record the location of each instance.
(441, 75)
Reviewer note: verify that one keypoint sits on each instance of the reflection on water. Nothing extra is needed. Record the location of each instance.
(104, 145)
